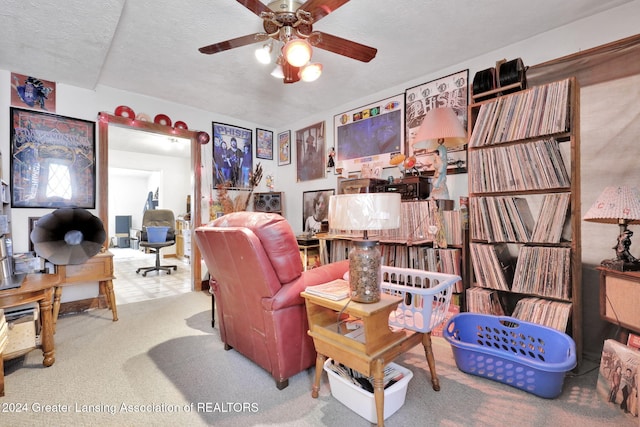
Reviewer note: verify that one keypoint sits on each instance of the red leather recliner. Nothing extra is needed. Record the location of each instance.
(255, 262)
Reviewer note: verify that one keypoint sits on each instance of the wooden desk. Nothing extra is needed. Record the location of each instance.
(368, 356)
(619, 296)
(97, 269)
(36, 288)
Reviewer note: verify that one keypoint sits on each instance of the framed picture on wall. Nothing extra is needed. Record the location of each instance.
(370, 134)
(264, 144)
(232, 155)
(284, 148)
(310, 152)
(53, 161)
(315, 209)
(450, 91)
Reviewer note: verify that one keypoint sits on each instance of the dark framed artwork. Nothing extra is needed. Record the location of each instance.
(232, 155)
(284, 148)
(310, 152)
(315, 209)
(264, 144)
(53, 161)
(371, 134)
(449, 91)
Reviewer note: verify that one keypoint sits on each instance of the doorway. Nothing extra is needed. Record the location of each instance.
(139, 138)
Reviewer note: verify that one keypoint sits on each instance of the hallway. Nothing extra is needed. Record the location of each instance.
(131, 287)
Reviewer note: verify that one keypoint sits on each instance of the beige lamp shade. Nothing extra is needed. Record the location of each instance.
(364, 211)
(440, 124)
(616, 205)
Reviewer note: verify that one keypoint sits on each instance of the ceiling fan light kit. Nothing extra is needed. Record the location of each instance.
(290, 22)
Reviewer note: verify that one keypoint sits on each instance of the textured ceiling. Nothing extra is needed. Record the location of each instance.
(151, 47)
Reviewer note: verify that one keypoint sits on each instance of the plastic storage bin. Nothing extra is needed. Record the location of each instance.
(156, 234)
(524, 355)
(361, 401)
(425, 296)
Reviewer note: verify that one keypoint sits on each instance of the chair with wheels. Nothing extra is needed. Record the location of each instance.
(157, 218)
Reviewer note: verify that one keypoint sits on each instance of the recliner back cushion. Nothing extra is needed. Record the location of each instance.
(276, 236)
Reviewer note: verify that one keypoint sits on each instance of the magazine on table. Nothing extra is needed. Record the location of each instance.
(335, 290)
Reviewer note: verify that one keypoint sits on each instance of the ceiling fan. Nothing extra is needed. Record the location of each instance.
(291, 22)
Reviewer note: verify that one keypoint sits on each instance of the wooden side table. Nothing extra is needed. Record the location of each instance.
(618, 305)
(36, 288)
(377, 347)
(97, 269)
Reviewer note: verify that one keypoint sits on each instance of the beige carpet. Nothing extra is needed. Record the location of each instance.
(161, 364)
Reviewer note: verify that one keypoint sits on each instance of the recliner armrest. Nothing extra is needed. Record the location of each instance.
(289, 294)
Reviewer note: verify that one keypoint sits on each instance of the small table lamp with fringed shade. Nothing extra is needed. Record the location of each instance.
(618, 205)
(365, 212)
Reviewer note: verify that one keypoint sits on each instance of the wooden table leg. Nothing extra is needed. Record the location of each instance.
(428, 352)
(111, 298)
(56, 305)
(378, 389)
(46, 316)
(320, 358)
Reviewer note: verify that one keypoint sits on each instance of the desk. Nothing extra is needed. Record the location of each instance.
(97, 269)
(307, 244)
(36, 288)
(618, 304)
(368, 356)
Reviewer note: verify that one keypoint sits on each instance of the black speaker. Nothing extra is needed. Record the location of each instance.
(267, 202)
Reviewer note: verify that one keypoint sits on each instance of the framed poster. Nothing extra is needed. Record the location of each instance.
(370, 134)
(450, 91)
(315, 209)
(232, 155)
(284, 148)
(31, 92)
(264, 144)
(310, 152)
(53, 161)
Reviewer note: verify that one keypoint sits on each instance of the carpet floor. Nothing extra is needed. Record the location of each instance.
(162, 364)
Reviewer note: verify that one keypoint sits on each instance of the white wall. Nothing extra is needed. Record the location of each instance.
(600, 29)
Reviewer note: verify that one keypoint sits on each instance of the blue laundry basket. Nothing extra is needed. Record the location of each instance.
(524, 355)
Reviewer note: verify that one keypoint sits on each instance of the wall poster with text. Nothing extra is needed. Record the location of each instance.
(232, 156)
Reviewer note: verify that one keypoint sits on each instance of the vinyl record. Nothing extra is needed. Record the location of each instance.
(124, 111)
(143, 117)
(68, 236)
(162, 119)
(180, 125)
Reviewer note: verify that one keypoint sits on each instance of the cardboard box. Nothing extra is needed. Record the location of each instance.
(22, 329)
(619, 376)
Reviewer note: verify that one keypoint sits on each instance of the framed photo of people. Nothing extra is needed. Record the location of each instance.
(310, 152)
(53, 161)
(371, 134)
(264, 144)
(284, 148)
(449, 91)
(232, 155)
(315, 209)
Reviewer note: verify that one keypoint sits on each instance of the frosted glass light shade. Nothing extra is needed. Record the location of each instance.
(297, 52)
(311, 72)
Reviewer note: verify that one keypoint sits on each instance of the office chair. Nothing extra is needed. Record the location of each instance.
(159, 218)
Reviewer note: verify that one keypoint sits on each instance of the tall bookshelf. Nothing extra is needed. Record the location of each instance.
(524, 207)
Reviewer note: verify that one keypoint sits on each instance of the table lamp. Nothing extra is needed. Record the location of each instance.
(440, 130)
(365, 212)
(618, 205)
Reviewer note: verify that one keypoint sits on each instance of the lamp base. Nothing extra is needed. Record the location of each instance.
(619, 265)
(364, 271)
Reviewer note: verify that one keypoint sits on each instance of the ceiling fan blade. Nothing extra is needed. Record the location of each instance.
(233, 43)
(321, 8)
(345, 47)
(255, 6)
